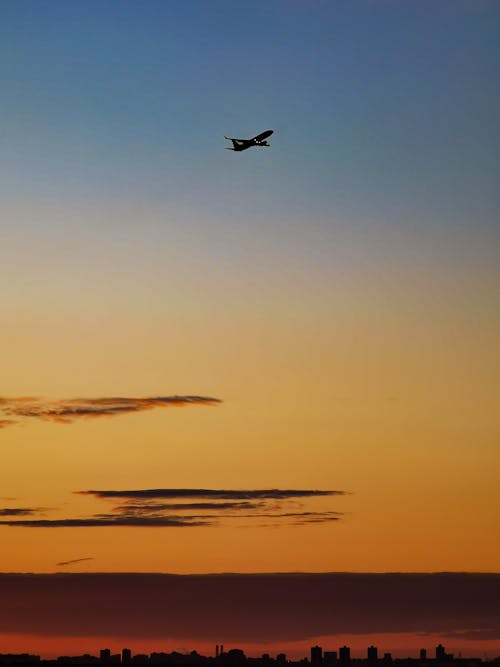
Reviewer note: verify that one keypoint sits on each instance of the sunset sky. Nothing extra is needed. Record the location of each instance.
(281, 360)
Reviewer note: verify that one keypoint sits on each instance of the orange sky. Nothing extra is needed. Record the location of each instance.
(382, 384)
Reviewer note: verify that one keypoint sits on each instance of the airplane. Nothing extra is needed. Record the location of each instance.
(243, 144)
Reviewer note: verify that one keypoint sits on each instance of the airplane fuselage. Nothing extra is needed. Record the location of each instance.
(243, 145)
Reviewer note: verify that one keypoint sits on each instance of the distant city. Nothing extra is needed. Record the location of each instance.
(237, 657)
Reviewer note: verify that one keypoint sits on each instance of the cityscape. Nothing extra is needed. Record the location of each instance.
(236, 656)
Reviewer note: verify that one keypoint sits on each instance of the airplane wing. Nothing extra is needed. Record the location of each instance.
(233, 139)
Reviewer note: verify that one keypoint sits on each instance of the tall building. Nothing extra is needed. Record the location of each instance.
(372, 655)
(316, 655)
(105, 655)
(126, 656)
(440, 652)
(344, 654)
(423, 654)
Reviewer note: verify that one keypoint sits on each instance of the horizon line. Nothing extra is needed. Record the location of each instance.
(266, 573)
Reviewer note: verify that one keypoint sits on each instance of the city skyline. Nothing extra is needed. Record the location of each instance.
(235, 656)
(260, 612)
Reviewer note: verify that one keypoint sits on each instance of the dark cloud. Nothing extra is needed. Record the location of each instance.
(277, 607)
(169, 521)
(18, 511)
(304, 516)
(74, 560)
(179, 507)
(225, 511)
(300, 518)
(68, 410)
(110, 521)
(222, 494)
(275, 506)
(142, 509)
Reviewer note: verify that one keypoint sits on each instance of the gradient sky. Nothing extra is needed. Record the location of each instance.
(338, 292)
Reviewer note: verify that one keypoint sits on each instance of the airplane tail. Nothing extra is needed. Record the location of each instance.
(236, 145)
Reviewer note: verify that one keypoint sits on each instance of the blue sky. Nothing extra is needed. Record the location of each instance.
(381, 109)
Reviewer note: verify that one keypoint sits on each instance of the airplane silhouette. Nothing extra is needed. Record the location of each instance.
(243, 144)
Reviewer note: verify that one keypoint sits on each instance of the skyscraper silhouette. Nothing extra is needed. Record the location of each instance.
(440, 652)
(316, 655)
(105, 655)
(344, 655)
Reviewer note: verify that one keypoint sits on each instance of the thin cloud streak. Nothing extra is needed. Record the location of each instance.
(111, 521)
(18, 511)
(66, 411)
(177, 507)
(166, 521)
(222, 494)
(74, 560)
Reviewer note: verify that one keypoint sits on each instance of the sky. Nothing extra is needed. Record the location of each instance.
(281, 360)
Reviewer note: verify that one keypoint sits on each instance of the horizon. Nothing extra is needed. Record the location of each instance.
(257, 574)
(353, 657)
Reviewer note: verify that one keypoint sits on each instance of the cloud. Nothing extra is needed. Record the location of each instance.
(277, 607)
(275, 506)
(108, 521)
(66, 411)
(222, 494)
(18, 511)
(178, 507)
(142, 509)
(171, 521)
(74, 560)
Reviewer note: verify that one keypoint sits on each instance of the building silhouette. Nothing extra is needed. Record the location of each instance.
(235, 657)
(316, 655)
(344, 655)
(440, 652)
